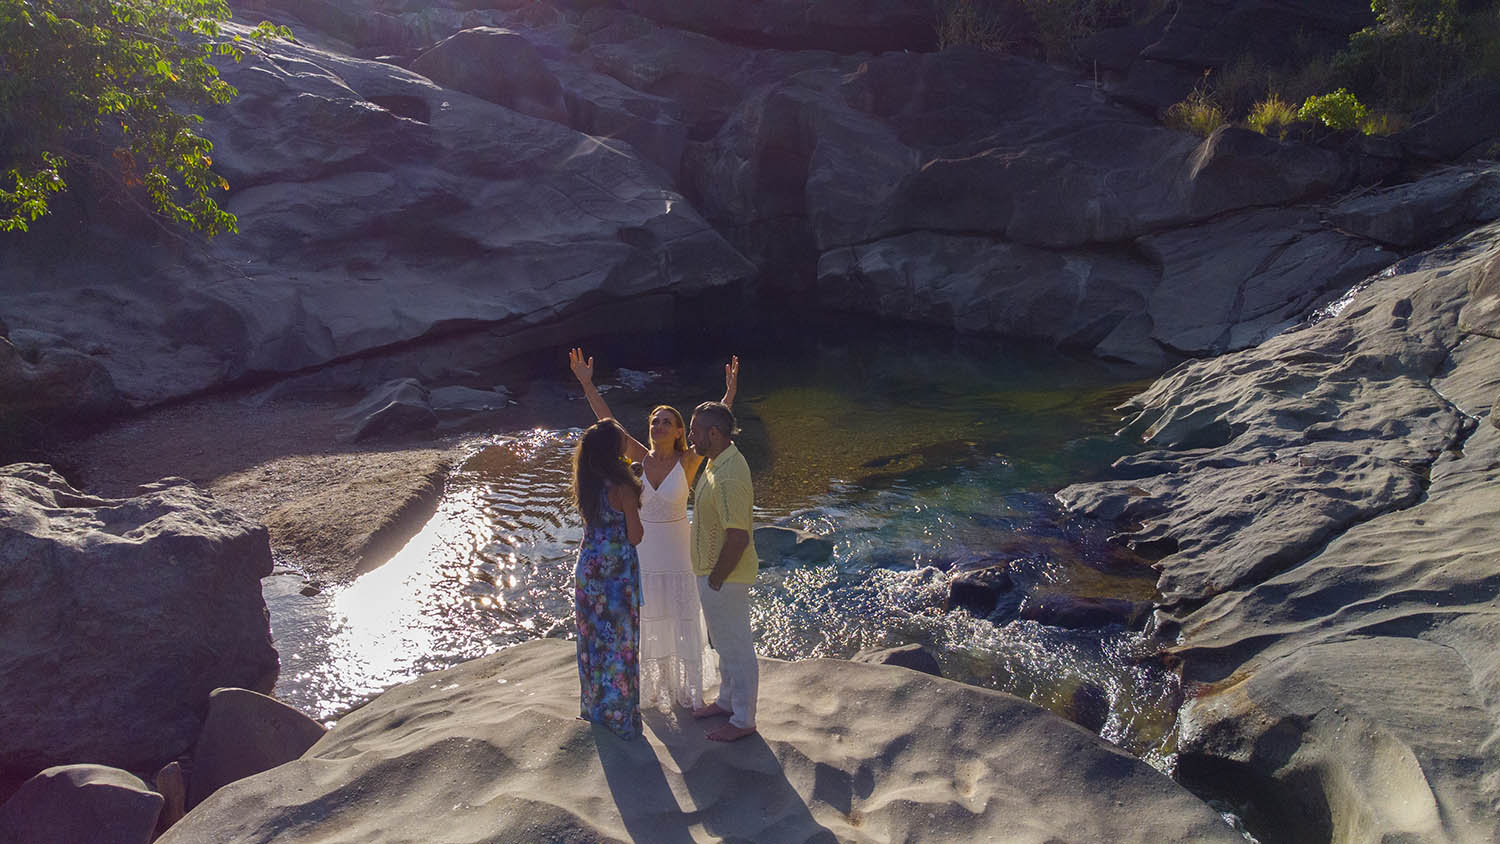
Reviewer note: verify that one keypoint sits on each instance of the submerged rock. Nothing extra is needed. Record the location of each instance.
(119, 616)
(913, 656)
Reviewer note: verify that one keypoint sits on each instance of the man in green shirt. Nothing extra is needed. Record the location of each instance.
(725, 562)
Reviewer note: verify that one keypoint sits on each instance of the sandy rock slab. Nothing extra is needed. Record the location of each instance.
(491, 751)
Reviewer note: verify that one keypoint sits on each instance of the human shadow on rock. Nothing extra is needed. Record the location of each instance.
(738, 781)
(647, 806)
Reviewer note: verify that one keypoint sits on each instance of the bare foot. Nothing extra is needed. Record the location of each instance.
(710, 711)
(730, 732)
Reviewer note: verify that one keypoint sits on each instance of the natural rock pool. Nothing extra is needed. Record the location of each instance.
(917, 458)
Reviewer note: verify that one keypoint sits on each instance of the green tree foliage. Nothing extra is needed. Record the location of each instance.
(1420, 50)
(109, 87)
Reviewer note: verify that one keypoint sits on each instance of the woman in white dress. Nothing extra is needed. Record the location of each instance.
(676, 664)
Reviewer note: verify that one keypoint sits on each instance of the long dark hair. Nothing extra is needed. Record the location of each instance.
(597, 461)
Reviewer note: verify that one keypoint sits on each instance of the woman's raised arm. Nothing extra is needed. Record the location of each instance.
(583, 370)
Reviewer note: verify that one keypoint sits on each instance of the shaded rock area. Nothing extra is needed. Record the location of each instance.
(81, 804)
(375, 209)
(243, 734)
(506, 167)
(118, 617)
(913, 656)
(496, 744)
(1323, 507)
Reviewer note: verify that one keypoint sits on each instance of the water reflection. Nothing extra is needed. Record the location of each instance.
(915, 464)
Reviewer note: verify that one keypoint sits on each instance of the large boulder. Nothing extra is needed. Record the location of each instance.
(375, 208)
(118, 617)
(81, 804)
(493, 750)
(1322, 507)
(45, 380)
(1416, 214)
(243, 734)
(979, 285)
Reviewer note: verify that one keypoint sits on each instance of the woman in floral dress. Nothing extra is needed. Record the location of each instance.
(607, 580)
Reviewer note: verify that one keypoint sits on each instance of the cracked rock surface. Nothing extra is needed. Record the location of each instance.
(1325, 506)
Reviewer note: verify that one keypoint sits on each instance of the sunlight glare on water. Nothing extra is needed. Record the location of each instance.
(915, 464)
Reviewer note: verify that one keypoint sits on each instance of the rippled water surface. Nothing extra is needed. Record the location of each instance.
(916, 459)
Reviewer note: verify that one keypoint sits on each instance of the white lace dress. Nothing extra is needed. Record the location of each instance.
(676, 664)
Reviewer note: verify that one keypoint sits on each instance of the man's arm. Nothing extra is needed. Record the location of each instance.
(735, 543)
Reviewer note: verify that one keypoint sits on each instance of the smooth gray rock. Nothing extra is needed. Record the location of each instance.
(1232, 283)
(396, 408)
(976, 284)
(828, 750)
(467, 399)
(397, 419)
(375, 208)
(244, 734)
(602, 106)
(913, 656)
(45, 380)
(1416, 214)
(81, 804)
(119, 616)
(1321, 505)
(497, 65)
(1481, 314)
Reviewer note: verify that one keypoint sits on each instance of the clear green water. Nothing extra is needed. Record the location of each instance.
(916, 457)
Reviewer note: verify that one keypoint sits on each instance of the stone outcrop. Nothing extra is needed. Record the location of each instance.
(45, 381)
(375, 208)
(243, 734)
(513, 166)
(492, 750)
(81, 804)
(119, 616)
(1322, 508)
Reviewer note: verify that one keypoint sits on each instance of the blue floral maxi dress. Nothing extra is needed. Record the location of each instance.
(607, 605)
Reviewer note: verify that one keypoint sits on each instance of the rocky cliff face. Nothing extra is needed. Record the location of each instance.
(505, 164)
(1324, 508)
(437, 175)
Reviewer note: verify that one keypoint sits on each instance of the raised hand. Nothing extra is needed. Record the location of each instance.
(731, 379)
(582, 370)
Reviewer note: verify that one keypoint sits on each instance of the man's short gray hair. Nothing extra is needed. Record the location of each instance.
(718, 415)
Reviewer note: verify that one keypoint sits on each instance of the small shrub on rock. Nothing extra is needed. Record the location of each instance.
(1338, 111)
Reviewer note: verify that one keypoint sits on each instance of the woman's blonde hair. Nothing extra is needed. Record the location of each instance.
(680, 444)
